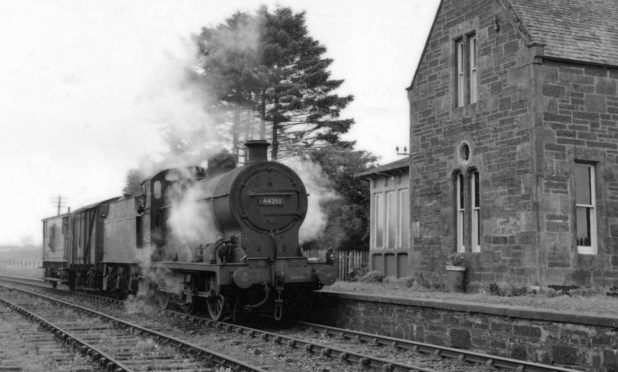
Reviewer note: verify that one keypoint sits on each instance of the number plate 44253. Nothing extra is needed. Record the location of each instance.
(271, 200)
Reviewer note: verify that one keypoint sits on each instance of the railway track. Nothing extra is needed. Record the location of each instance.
(375, 351)
(396, 345)
(258, 343)
(370, 351)
(113, 343)
(24, 346)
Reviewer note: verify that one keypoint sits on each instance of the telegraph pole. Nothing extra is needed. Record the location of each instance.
(59, 202)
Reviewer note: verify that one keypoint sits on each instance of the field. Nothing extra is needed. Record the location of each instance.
(24, 261)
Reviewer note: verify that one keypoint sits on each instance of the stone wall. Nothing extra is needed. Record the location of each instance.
(573, 340)
(499, 129)
(578, 121)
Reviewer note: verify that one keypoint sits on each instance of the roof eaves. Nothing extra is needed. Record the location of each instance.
(579, 62)
(386, 169)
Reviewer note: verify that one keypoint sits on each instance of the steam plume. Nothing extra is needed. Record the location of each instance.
(320, 192)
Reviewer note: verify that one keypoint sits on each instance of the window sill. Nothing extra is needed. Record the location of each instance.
(469, 109)
(589, 251)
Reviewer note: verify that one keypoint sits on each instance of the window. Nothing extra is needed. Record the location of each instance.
(139, 232)
(379, 220)
(391, 215)
(464, 152)
(472, 75)
(466, 88)
(52, 241)
(391, 219)
(459, 47)
(461, 210)
(476, 209)
(467, 214)
(157, 189)
(404, 219)
(585, 212)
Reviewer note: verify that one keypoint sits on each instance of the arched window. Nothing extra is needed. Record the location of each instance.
(475, 234)
(460, 211)
(467, 211)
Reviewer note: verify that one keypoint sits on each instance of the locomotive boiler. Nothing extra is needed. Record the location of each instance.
(253, 260)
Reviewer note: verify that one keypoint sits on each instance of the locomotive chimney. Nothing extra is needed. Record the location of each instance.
(258, 151)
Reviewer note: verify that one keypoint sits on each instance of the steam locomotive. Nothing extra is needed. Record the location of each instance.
(241, 253)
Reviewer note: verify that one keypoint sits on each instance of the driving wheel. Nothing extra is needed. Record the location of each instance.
(217, 306)
(163, 299)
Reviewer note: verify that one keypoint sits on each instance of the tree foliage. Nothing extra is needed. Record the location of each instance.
(133, 183)
(348, 220)
(265, 69)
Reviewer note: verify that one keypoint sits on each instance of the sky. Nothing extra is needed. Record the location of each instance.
(85, 87)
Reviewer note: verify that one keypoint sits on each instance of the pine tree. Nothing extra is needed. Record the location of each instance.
(267, 64)
(227, 51)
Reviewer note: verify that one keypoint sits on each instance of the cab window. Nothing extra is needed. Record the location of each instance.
(156, 189)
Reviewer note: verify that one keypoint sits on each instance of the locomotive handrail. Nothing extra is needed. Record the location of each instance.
(277, 193)
(207, 198)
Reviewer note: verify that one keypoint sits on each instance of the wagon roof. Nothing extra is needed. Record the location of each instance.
(54, 217)
(578, 30)
(94, 205)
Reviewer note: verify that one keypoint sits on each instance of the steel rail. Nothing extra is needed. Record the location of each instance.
(23, 279)
(346, 356)
(84, 347)
(443, 351)
(207, 354)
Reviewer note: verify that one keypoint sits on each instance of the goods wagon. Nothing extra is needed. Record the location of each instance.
(124, 251)
(55, 243)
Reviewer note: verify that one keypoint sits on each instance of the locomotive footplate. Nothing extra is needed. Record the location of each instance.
(260, 270)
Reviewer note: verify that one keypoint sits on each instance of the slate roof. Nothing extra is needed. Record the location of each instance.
(398, 164)
(579, 30)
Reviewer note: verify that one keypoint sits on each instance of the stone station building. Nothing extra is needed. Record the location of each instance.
(514, 144)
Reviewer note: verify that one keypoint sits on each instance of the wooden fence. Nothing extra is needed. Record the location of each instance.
(18, 263)
(345, 261)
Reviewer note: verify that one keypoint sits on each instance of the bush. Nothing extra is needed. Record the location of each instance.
(456, 259)
(505, 289)
(409, 282)
(357, 273)
(372, 277)
(495, 290)
(429, 281)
